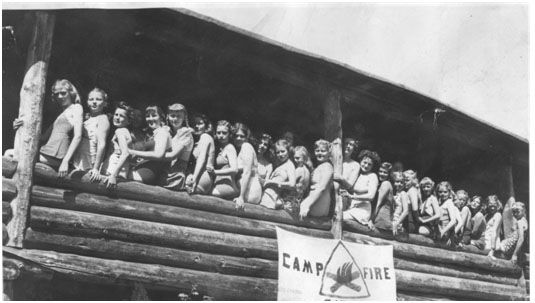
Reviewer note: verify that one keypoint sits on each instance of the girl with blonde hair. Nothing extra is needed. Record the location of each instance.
(430, 211)
(410, 179)
(318, 201)
(61, 139)
(282, 180)
(90, 152)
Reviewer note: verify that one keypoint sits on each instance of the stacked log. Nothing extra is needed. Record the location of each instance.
(173, 241)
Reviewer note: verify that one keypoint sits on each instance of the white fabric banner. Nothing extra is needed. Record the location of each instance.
(326, 269)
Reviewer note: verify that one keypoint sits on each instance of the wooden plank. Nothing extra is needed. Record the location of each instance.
(150, 254)
(449, 286)
(221, 287)
(66, 199)
(9, 166)
(436, 255)
(30, 110)
(9, 189)
(227, 287)
(407, 238)
(154, 194)
(449, 270)
(86, 224)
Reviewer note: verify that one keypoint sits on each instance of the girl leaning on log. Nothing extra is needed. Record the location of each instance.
(303, 168)
(226, 163)
(350, 169)
(363, 190)
(282, 180)
(199, 180)
(382, 214)
(117, 164)
(250, 187)
(62, 138)
(176, 160)
(318, 201)
(90, 153)
(430, 211)
(148, 169)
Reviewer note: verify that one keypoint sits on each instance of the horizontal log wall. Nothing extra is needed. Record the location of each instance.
(206, 234)
(45, 175)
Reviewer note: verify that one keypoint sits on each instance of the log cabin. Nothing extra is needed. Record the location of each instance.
(69, 239)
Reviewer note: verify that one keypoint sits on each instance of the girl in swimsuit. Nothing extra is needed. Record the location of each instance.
(117, 163)
(318, 201)
(384, 210)
(364, 190)
(199, 180)
(462, 229)
(90, 152)
(148, 169)
(350, 168)
(401, 204)
(177, 159)
(415, 200)
(449, 213)
(303, 167)
(477, 225)
(250, 188)
(59, 145)
(511, 246)
(494, 223)
(265, 156)
(226, 164)
(429, 211)
(282, 180)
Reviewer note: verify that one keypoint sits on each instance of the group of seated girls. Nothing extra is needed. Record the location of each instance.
(394, 200)
(168, 152)
(224, 163)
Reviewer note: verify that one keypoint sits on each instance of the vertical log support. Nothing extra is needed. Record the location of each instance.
(30, 110)
(508, 192)
(332, 115)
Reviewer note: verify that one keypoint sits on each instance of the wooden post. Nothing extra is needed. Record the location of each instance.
(508, 192)
(31, 107)
(332, 115)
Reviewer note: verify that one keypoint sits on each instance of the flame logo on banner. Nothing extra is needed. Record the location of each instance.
(342, 277)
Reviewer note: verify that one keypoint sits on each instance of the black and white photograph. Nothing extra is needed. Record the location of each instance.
(266, 151)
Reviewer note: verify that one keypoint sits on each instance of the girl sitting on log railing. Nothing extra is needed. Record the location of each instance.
(59, 145)
(318, 201)
(429, 212)
(415, 200)
(174, 176)
(264, 152)
(401, 205)
(250, 188)
(494, 223)
(350, 168)
(449, 213)
(476, 226)
(461, 229)
(384, 208)
(226, 163)
(281, 180)
(117, 164)
(200, 181)
(147, 170)
(90, 153)
(363, 190)
(511, 246)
